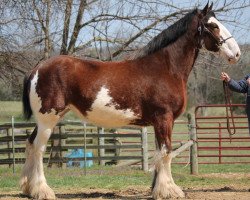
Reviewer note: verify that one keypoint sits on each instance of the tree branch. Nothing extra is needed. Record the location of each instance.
(144, 30)
(77, 27)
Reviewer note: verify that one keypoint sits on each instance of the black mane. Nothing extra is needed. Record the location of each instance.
(167, 36)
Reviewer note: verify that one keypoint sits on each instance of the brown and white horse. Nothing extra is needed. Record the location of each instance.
(149, 89)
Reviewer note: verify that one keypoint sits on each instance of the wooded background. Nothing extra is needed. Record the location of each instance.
(34, 30)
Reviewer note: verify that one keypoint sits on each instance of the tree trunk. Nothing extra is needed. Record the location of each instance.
(66, 27)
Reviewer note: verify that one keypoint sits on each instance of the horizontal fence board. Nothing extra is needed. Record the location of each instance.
(224, 148)
(225, 156)
(17, 138)
(10, 150)
(66, 148)
(65, 160)
(68, 122)
(68, 136)
(112, 146)
(17, 125)
(105, 135)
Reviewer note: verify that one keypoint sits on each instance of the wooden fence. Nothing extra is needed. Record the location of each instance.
(105, 146)
(124, 146)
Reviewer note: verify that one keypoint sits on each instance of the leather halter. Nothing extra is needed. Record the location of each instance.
(203, 29)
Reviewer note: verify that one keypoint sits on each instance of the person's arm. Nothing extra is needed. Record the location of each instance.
(248, 82)
(236, 86)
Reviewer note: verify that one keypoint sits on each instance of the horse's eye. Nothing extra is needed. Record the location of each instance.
(214, 26)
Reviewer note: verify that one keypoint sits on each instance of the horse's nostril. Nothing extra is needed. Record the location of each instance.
(237, 55)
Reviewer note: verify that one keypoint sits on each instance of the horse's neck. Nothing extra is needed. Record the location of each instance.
(180, 56)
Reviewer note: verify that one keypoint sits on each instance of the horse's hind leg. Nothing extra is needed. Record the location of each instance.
(33, 182)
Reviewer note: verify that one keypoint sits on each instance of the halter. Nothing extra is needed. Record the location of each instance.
(203, 29)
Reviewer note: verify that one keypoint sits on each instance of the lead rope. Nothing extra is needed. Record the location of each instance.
(229, 110)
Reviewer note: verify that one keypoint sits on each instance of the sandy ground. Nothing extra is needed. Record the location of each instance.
(225, 193)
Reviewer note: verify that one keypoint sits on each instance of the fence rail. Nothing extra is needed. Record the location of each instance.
(215, 146)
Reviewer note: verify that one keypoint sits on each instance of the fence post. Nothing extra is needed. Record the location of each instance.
(101, 143)
(9, 145)
(193, 148)
(220, 147)
(85, 148)
(144, 149)
(62, 144)
(13, 143)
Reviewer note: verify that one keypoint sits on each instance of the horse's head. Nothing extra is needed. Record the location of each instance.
(216, 37)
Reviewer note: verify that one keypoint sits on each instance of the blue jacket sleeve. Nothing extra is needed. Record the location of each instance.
(238, 86)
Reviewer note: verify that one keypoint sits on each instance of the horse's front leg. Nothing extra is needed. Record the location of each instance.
(163, 184)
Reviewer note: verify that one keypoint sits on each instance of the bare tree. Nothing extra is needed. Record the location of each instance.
(45, 24)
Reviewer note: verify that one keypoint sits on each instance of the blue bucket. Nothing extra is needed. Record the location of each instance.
(79, 153)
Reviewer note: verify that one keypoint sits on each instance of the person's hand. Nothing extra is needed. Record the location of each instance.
(224, 76)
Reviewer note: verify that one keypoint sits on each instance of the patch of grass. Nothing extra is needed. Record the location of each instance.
(105, 177)
(224, 168)
(184, 179)
(108, 177)
(8, 180)
(9, 109)
(100, 181)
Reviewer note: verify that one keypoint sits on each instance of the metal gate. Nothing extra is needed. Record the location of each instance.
(214, 145)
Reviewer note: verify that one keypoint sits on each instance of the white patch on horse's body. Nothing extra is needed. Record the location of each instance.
(105, 112)
(35, 101)
(230, 49)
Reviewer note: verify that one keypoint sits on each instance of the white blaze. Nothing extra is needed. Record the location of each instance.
(104, 111)
(230, 49)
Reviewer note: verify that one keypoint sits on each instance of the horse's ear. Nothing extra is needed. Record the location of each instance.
(206, 9)
(210, 7)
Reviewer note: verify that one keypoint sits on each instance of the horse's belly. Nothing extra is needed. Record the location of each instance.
(107, 113)
(110, 117)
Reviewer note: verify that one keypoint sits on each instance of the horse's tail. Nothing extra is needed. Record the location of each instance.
(27, 111)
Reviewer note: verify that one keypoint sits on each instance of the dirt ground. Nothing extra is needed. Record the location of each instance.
(225, 193)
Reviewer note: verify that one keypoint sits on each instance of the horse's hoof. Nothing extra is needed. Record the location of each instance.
(43, 192)
(167, 191)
